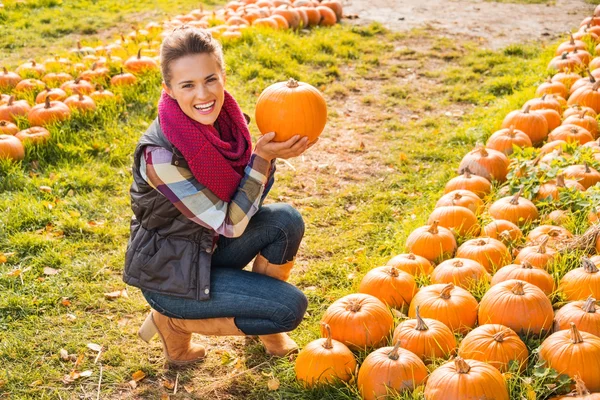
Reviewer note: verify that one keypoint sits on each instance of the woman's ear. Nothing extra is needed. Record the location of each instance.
(167, 89)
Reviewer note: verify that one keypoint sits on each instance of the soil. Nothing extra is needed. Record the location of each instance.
(496, 24)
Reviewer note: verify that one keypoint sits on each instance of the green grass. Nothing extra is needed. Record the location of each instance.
(368, 194)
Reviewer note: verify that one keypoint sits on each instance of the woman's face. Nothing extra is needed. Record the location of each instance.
(197, 83)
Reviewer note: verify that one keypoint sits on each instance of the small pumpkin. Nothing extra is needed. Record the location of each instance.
(460, 220)
(587, 122)
(324, 361)
(552, 118)
(392, 286)
(48, 112)
(504, 140)
(551, 188)
(139, 63)
(8, 80)
(31, 68)
(544, 103)
(77, 86)
(534, 125)
(584, 174)
(571, 133)
(525, 271)
(102, 94)
(555, 234)
(570, 45)
(491, 253)
(567, 78)
(565, 62)
(587, 97)
(540, 256)
(56, 78)
(14, 108)
(30, 85)
(123, 79)
(498, 228)
(81, 102)
(515, 209)
(583, 313)
(463, 272)
(11, 148)
(551, 86)
(463, 198)
(53, 94)
(433, 242)
(582, 282)
(8, 128)
(412, 264)
(488, 163)
(34, 135)
(467, 181)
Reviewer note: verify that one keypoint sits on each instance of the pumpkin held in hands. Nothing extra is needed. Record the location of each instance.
(291, 108)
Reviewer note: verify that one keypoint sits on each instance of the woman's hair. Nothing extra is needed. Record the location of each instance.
(185, 41)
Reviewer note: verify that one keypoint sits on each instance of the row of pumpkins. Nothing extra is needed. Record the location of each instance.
(62, 85)
(517, 302)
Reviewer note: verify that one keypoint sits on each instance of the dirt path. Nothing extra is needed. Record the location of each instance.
(497, 24)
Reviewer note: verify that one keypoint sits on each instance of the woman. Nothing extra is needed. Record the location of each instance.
(197, 198)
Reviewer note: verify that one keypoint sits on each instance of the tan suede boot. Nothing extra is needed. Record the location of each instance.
(176, 335)
(276, 344)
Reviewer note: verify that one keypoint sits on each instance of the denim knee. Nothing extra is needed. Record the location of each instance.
(295, 307)
(289, 220)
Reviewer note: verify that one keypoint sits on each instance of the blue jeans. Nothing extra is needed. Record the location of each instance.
(260, 304)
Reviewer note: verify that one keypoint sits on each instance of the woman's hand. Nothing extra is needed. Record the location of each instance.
(293, 147)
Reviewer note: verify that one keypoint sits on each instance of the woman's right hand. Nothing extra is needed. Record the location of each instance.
(268, 149)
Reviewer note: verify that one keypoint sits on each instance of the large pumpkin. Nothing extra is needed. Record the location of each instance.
(463, 272)
(11, 148)
(291, 108)
(534, 125)
(528, 273)
(582, 282)
(427, 338)
(460, 220)
(461, 379)
(433, 242)
(515, 209)
(358, 320)
(324, 361)
(584, 314)
(48, 112)
(495, 344)
(390, 369)
(519, 305)
(574, 353)
(394, 287)
(411, 263)
(491, 253)
(468, 181)
(504, 140)
(488, 163)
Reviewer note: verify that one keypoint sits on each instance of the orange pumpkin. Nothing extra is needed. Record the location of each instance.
(515, 209)
(291, 108)
(504, 140)
(574, 353)
(34, 135)
(359, 321)
(11, 148)
(394, 287)
(81, 102)
(570, 45)
(54, 94)
(567, 78)
(453, 306)
(461, 379)
(587, 96)
(56, 78)
(13, 109)
(463, 198)
(519, 305)
(433, 242)
(587, 122)
(328, 17)
(8, 80)
(491, 253)
(581, 392)
(501, 229)
(545, 102)
(552, 118)
(467, 181)
(31, 68)
(495, 344)
(324, 361)
(77, 86)
(488, 163)
(584, 314)
(412, 264)
(555, 234)
(540, 256)
(582, 282)
(123, 79)
(140, 63)
(576, 109)
(463, 272)
(552, 86)
(565, 62)
(458, 219)
(48, 112)
(528, 273)
(584, 174)
(390, 370)
(551, 188)
(571, 133)
(427, 338)
(8, 128)
(102, 94)
(534, 125)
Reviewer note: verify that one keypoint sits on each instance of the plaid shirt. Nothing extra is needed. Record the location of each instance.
(197, 202)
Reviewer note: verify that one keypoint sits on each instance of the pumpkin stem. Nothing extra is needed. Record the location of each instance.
(482, 151)
(596, 85)
(575, 335)
(526, 264)
(353, 306)
(394, 272)
(139, 54)
(572, 43)
(518, 288)
(461, 366)
(526, 109)
(411, 256)
(542, 246)
(457, 196)
(505, 236)
(544, 96)
(511, 131)
(560, 180)
(590, 305)
(433, 229)
(80, 96)
(327, 345)
(47, 102)
(499, 337)
(445, 293)
(588, 265)
(458, 263)
(467, 173)
(3, 123)
(421, 325)
(10, 100)
(587, 167)
(5, 70)
(292, 83)
(580, 387)
(393, 355)
(515, 200)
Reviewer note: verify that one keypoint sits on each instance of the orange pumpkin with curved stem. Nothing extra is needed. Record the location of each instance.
(581, 392)
(467, 181)
(565, 62)
(394, 287)
(495, 344)
(412, 264)
(31, 68)
(433, 242)
(8, 80)
(544, 103)
(521, 306)
(570, 45)
(497, 227)
(390, 370)
(534, 125)
(504, 140)
(584, 313)
(14, 108)
(8, 128)
(515, 209)
(552, 87)
(528, 273)
(451, 305)
(48, 112)
(587, 122)
(359, 321)
(540, 256)
(34, 135)
(571, 133)
(576, 109)
(77, 86)
(587, 81)
(458, 219)
(140, 63)
(555, 234)
(491, 253)
(463, 272)
(81, 102)
(11, 148)
(53, 94)
(573, 353)
(463, 198)
(582, 282)
(462, 379)
(123, 79)
(489, 163)
(427, 338)
(324, 361)
(551, 188)
(587, 96)
(291, 108)
(584, 174)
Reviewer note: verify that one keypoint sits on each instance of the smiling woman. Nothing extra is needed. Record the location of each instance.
(199, 220)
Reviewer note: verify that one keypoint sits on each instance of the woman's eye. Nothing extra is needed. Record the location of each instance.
(189, 85)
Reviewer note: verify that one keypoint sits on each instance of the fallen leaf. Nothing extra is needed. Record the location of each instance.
(123, 321)
(71, 317)
(3, 258)
(50, 271)
(79, 359)
(94, 347)
(37, 382)
(138, 375)
(96, 223)
(46, 189)
(74, 213)
(14, 272)
(273, 384)
(116, 294)
(188, 388)
(85, 374)
(64, 355)
(132, 384)
(168, 384)
(65, 302)
(164, 396)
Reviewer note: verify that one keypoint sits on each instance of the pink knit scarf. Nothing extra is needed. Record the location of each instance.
(216, 160)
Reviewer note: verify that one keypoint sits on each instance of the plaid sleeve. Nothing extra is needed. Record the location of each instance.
(196, 201)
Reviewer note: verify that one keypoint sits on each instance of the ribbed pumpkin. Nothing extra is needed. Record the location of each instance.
(581, 392)
(11, 148)
(587, 122)
(521, 306)
(8, 128)
(574, 353)
(528, 273)
(54, 94)
(467, 181)
(504, 140)
(576, 109)
(291, 108)
(584, 314)
(495, 344)
(81, 102)
(551, 86)
(540, 256)
(390, 370)
(139, 63)
(8, 80)
(584, 174)
(491, 253)
(587, 96)
(453, 306)
(461, 379)
(458, 219)
(570, 45)
(552, 118)
(488, 163)
(14, 108)
(516, 209)
(544, 103)
(323, 361)
(555, 234)
(462, 272)
(394, 287)
(565, 62)
(534, 125)
(582, 282)
(567, 78)
(550, 189)
(102, 94)
(571, 133)
(29, 85)
(557, 217)
(123, 79)
(34, 135)
(358, 320)
(77, 86)
(433, 242)
(427, 338)
(411, 263)
(56, 78)
(463, 198)
(48, 112)
(497, 227)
